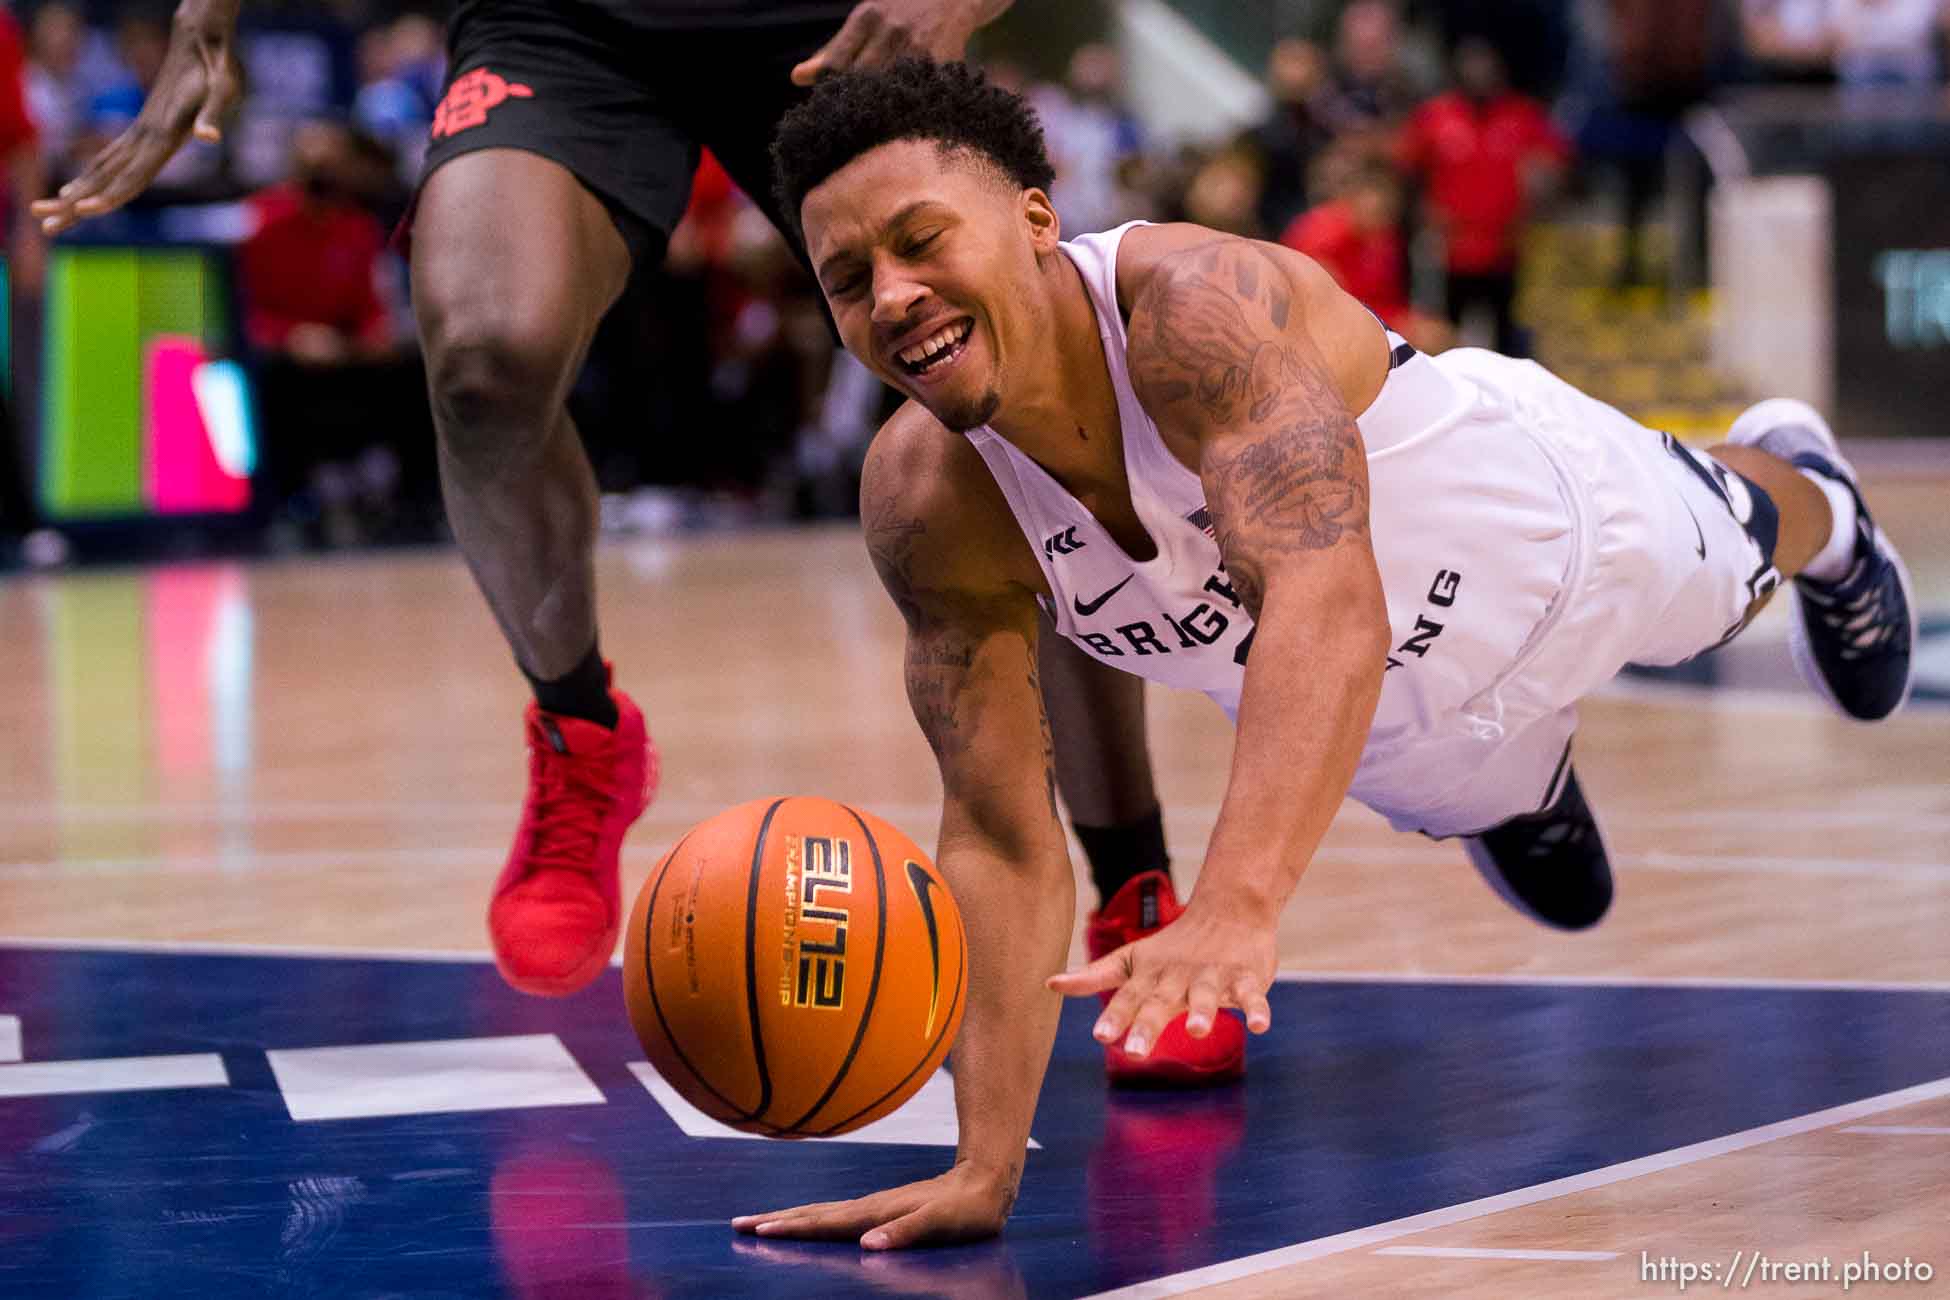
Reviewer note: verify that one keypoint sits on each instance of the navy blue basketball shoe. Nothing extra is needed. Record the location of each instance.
(1552, 865)
(1852, 636)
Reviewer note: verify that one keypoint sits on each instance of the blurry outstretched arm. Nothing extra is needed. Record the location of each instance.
(198, 88)
(1221, 356)
(971, 673)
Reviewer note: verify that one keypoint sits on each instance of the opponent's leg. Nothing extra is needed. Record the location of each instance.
(514, 265)
(1855, 618)
(1103, 765)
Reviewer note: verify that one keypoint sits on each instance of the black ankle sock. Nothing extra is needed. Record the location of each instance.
(582, 692)
(1119, 854)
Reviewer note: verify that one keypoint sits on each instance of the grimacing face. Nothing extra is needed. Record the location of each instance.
(927, 257)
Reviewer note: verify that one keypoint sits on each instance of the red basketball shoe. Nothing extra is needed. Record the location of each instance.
(1145, 905)
(557, 905)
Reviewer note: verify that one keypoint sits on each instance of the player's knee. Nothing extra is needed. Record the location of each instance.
(494, 380)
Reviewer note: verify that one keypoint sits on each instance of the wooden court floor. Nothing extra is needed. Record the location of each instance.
(327, 753)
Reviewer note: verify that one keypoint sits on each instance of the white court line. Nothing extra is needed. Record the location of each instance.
(431, 1077)
(1296, 976)
(1359, 1238)
(1900, 1130)
(9, 1038)
(119, 1074)
(224, 948)
(1468, 1252)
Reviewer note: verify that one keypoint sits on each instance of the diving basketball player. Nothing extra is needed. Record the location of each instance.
(560, 162)
(1398, 573)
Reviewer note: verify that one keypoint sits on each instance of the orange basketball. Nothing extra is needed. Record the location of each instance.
(795, 967)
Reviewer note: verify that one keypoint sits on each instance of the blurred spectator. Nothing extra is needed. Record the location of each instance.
(1224, 193)
(309, 266)
(729, 334)
(1534, 36)
(343, 401)
(1484, 153)
(1887, 43)
(1789, 40)
(402, 66)
(1358, 237)
(1092, 138)
(58, 89)
(1294, 133)
(1638, 67)
(1373, 89)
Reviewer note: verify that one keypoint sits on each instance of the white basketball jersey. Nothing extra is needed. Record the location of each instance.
(1472, 531)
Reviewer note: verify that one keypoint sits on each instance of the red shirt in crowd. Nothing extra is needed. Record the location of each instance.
(311, 266)
(1473, 157)
(1366, 263)
(16, 126)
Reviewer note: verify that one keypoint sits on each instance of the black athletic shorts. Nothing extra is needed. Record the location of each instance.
(625, 103)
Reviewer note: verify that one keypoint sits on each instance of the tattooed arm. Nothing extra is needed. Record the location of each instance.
(961, 574)
(1223, 359)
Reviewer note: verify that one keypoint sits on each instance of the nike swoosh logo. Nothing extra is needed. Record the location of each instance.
(921, 882)
(1087, 608)
(1697, 529)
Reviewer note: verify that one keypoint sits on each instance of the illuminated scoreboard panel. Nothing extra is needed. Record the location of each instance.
(141, 413)
(1892, 293)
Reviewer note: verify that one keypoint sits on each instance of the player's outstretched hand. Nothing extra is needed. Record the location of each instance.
(199, 84)
(880, 31)
(964, 1204)
(1202, 961)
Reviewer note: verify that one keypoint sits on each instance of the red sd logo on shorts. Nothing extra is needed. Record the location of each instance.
(471, 97)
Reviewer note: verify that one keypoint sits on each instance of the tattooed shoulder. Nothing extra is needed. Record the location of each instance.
(1215, 351)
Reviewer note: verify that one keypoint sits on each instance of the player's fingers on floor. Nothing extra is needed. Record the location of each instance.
(1160, 1008)
(836, 1224)
(1202, 1003)
(915, 1228)
(747, 1222)
(1250, 997)
(1123, 1008)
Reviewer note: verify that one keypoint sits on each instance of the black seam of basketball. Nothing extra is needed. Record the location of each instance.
(650, 976)
(961, 975)
(751, 967)
(873, 985)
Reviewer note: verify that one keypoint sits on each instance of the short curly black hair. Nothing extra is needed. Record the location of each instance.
(951, 104)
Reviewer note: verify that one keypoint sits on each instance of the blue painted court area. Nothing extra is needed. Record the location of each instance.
(1367, 1103)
